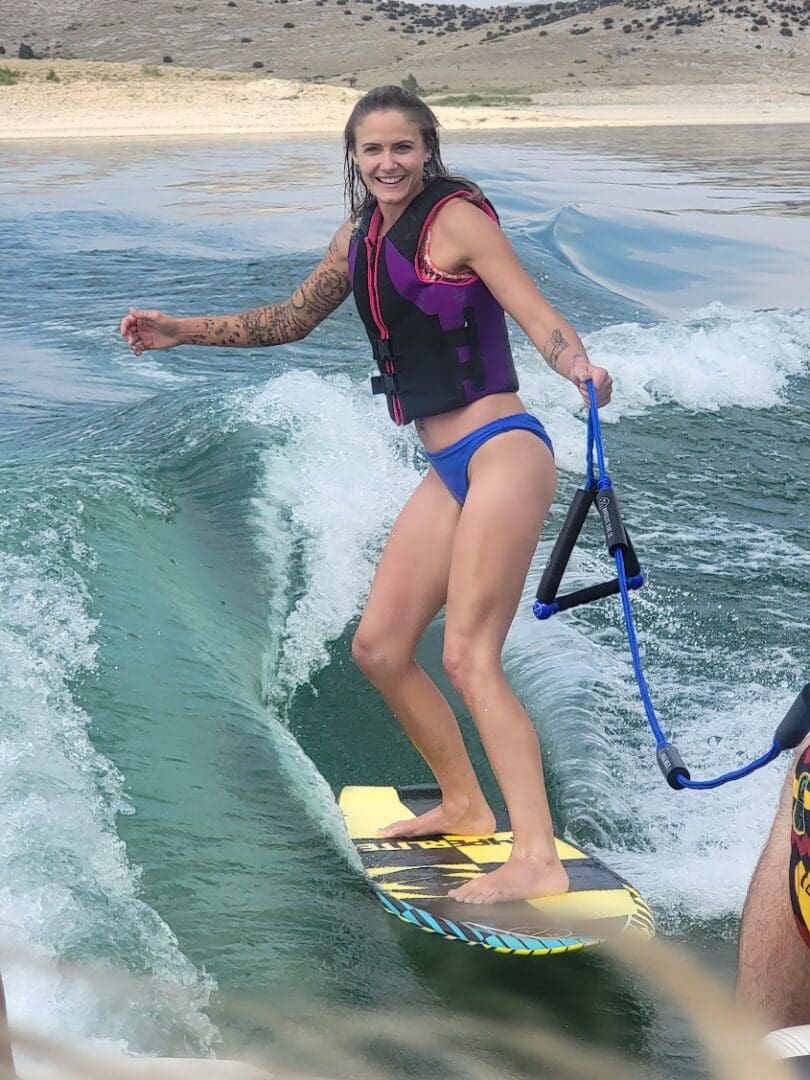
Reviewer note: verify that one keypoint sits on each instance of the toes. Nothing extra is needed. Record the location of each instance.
(465, 894)
(467, 899)
(394, 828)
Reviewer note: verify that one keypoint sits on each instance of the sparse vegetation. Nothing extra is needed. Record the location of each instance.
(149, 71)
(9, 77)
(52, 76)
(490, 101)
(410, 83)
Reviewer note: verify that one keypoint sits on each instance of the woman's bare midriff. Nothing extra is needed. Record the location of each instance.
(439, 432)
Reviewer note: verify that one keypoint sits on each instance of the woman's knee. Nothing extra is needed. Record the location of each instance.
(470, 667)
(379, 656)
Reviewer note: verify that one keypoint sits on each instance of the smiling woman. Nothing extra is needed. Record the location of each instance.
(433, 276)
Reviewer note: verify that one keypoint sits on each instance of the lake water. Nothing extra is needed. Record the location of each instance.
(186, 541)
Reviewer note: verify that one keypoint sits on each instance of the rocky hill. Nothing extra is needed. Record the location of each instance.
(535, 48)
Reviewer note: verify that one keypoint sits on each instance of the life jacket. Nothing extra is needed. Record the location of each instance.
(438, 344)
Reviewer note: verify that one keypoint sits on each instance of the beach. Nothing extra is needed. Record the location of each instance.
(232, 68)
(113, 100)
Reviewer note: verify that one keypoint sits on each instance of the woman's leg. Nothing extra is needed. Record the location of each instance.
(512, 483)
(409, 588)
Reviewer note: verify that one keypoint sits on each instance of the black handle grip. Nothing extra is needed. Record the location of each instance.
(608, 506)
(591, 592)
(796, 723)
(671, 765)
(564, 545)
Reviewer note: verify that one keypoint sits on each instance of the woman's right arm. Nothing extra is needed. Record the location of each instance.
(274, 324)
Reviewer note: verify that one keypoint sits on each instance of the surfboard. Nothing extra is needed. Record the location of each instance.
(412, 877)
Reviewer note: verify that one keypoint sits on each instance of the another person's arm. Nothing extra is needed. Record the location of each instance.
(464, 236)
(274, 324)
(773, 973)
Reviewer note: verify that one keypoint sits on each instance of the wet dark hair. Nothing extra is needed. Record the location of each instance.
(392, 99)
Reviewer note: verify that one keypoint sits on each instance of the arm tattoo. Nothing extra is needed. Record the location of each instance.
(277, 324)
(558, 345)
(216, 330)
(293, 319)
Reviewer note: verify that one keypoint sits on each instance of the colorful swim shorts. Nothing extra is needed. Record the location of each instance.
(800, 846)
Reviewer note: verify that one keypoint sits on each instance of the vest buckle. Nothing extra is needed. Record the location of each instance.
(383, 351)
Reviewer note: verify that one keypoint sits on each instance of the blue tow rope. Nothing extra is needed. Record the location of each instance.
(796, 722)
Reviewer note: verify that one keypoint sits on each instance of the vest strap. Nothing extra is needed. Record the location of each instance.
(385, 384)
(467, 335)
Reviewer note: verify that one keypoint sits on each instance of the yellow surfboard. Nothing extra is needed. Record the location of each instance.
(411, 879)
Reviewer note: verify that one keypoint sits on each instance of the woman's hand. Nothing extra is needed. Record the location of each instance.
(150, 330)
(582, 371)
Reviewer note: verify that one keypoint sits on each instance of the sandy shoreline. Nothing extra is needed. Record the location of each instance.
(202, 68)
(69, 99)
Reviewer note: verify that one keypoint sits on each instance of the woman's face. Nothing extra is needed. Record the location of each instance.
(391, 154)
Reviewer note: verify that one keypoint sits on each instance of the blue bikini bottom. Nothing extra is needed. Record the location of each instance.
(452, 462)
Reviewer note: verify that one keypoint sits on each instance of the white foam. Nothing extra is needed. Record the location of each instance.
(68, 889)
(716, 356)
(703, 846)
(712, 358)
(335, 477)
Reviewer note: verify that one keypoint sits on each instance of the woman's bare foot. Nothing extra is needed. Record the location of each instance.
(445, 819)
(520, 878)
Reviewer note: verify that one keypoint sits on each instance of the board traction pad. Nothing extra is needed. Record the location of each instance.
(411, 879)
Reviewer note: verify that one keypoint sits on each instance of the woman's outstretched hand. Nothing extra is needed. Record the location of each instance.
(582, 372)
(150, 330)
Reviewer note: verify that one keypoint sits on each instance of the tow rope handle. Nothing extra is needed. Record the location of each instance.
(548, 603)
(796, 723)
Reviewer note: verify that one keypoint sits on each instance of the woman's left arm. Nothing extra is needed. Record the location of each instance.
(464, 236)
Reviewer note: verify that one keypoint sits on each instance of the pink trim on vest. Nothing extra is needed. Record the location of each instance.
(422, 261)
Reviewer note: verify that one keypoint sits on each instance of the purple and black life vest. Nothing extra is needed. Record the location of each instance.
(439, 345)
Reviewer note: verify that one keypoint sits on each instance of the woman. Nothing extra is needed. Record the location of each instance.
(432, 275)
